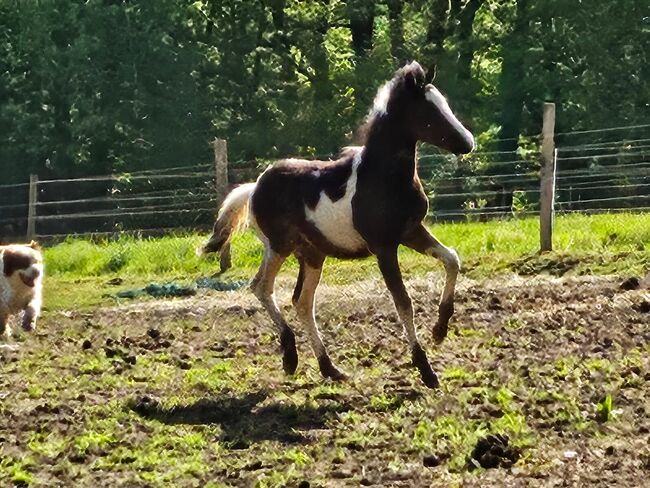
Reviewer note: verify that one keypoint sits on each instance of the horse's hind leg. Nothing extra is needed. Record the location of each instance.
(262, 287)
(308, 280)
(300, 281)
(389, 267)
(422, 241)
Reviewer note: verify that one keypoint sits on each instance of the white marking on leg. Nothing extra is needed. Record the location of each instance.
(334, 219)
(451, 261)
(305, 306)
(408, 323)
(263, 284)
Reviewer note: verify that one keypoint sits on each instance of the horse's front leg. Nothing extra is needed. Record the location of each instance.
(389, 267)
(422, 241)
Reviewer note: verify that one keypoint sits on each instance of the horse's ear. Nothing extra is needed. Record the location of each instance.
(432, 71)
(414, 75)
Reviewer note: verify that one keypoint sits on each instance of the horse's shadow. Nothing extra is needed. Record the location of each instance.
(240, 418)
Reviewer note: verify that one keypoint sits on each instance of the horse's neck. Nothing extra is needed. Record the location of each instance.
(389, 151)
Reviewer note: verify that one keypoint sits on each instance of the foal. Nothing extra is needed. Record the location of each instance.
(369, 201)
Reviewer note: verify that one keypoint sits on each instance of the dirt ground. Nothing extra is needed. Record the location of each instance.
(190, 392)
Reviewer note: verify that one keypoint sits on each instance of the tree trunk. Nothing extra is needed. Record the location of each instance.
(436, 31)
(396, 29)
(465, 41)
(361, 15)
(362, 19)
(511, 90)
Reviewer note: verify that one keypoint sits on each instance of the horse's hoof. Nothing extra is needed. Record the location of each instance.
(328, 370)
(430, 379)
(440, 331)
(290, 362)
(420, 361)
(289, 353)
(445, 311)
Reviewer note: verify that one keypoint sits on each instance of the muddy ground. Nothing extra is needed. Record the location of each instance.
(544, 383)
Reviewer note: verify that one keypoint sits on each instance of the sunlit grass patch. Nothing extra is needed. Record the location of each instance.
(616, 243)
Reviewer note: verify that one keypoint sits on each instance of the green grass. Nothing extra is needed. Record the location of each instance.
(599, 244)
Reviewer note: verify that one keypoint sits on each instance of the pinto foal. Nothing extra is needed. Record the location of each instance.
(369, 201)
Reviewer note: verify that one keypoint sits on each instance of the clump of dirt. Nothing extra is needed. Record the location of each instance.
(493, 451)
(152, 340)
(127, 348)
(556, 265)
(433, 460)
(632, 283)
(642, 307)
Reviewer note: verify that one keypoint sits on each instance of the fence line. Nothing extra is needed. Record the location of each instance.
(119, 200)
(14, 185)
(614, 180)
(601, 156)
(595, 176)
(607, 129)
(611, 147)
(126, 177)
(124, 214)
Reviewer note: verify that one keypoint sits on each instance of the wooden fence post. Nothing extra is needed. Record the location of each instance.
(221, 187)
(547, 180)
(31, 208)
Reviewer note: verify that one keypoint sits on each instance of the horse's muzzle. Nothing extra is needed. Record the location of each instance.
(465, 145)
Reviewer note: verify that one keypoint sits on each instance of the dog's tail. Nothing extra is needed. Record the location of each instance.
(233, 216)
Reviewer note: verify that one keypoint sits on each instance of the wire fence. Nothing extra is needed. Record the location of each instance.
(597, 170)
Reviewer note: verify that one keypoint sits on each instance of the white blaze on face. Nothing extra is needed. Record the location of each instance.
(334, 219)
(435, 97)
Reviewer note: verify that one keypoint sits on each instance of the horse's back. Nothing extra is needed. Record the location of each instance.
(304, 200)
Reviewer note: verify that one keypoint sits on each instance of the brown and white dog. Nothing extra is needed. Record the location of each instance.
(21, 283)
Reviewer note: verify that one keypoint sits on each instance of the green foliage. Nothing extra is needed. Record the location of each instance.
(96, 87)
(604, 409)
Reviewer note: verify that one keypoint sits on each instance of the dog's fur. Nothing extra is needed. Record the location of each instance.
(21, 283)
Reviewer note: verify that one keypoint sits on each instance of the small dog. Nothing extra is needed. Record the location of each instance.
(21, 283)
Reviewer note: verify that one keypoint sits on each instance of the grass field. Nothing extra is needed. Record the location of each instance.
(599, 244)
(548, 350)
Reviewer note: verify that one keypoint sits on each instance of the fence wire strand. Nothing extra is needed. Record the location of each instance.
(596, 171)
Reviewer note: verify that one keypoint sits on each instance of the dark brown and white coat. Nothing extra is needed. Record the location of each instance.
(367, 202)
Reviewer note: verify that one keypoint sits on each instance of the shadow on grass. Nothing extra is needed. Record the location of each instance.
(240, 418)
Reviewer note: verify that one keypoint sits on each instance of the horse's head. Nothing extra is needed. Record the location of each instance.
(425, 111)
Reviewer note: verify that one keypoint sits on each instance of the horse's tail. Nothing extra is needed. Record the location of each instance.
(233, 216)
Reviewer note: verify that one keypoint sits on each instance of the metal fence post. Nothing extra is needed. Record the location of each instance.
(31, 208)
(221, 187)
(547, 180)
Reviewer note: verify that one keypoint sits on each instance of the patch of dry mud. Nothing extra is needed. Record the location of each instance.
(560, 344)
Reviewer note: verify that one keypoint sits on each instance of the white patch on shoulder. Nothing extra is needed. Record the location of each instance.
(334, 219)
(434, 96)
